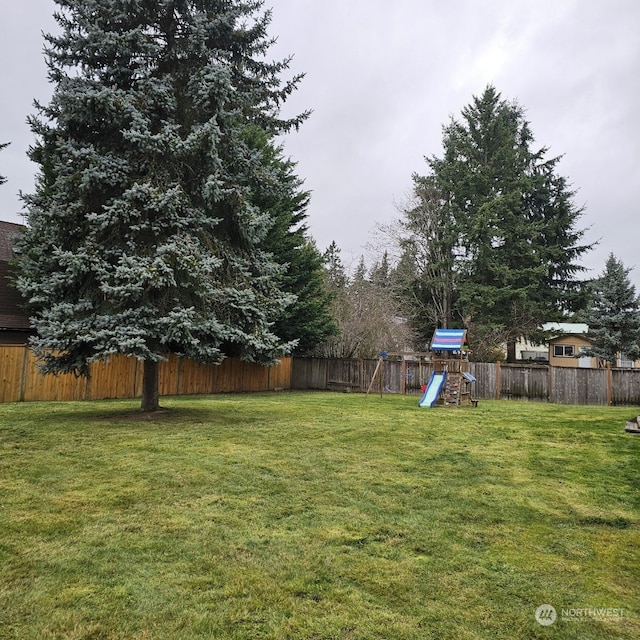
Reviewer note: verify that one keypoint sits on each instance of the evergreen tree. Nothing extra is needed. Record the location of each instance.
(513, 218)
(340, 309)
(380, 273)
(613, 315)
(360, 280)
(144, 237)
(308, 321)
(335, 267)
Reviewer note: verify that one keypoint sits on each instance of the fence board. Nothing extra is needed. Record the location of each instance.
(168, 374)
(254, 377)
(565, 385)
(194, 378)
(115, 378)
(280, 376)
(626, 387)
(493, 380)
(121, 377)
(310, 373)
(578, 386)
(228, 376)
(64, 386)
(345, 375)
(486, 375)
(416, 374)
(11, 373)
(523, 383)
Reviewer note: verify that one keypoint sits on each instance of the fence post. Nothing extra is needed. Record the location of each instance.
(498, 380)
(609, 385)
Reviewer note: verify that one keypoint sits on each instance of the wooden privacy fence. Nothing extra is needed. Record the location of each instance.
(121, 377)
(561, 385)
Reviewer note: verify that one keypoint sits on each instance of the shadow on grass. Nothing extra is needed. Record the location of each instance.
(164, 414)
(117, 412)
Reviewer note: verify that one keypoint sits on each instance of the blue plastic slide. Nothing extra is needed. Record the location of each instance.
(432, 391)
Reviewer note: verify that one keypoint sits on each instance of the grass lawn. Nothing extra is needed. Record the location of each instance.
(302, 515)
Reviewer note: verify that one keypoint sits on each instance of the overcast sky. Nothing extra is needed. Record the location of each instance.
(382, 78)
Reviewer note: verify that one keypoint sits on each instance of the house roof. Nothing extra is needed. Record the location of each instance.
(572, 328)
(12, 316)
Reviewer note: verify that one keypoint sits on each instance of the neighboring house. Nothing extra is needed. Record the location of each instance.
(570, 342)
(14, 321)
(566, 348)
(531, 352)
(545, 353)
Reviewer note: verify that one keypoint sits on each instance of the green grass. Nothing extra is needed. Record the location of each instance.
(317, 516)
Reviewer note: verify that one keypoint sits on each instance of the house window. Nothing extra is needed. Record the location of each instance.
(563, 350)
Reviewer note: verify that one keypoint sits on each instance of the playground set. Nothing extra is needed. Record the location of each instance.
(449, 382)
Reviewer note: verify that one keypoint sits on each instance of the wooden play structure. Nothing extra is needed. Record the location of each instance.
(450, 381)
(443, 372)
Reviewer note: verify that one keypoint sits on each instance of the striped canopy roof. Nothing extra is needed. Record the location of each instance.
(448, 339)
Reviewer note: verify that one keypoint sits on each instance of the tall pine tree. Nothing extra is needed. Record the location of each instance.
(144, 234)
(307, 321)
(514, 220)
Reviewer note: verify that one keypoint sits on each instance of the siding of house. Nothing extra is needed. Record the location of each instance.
(574, 341)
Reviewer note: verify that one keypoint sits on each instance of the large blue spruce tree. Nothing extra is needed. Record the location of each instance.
(144, 234)
(613, 315)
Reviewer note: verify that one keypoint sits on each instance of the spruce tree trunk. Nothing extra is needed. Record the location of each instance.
(150, 391)
(511, 350)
